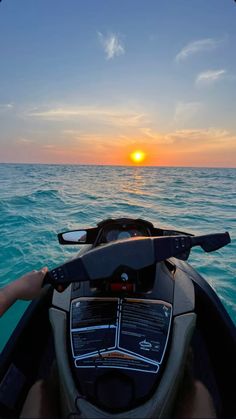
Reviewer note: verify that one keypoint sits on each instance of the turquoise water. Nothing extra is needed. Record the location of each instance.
(38, 201)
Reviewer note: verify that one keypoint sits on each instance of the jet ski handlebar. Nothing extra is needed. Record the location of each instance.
(134, 253)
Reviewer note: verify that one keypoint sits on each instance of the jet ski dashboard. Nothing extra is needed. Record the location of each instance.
(114, 229)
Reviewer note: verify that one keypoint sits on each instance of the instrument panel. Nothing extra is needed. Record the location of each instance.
(119, 231)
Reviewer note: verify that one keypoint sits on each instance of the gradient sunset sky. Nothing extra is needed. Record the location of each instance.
(90, 81)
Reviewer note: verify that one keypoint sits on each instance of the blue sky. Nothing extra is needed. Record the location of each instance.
(90, 81)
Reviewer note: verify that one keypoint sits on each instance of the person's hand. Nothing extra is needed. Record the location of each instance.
(29, 285)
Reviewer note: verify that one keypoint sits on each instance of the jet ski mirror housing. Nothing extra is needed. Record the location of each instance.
(211, 242)
(83, 236)
(77, 236)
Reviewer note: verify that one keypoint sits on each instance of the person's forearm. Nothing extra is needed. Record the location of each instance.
(27, 287)
(8, 296)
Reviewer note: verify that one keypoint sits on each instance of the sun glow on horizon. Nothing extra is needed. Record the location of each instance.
(137, 156)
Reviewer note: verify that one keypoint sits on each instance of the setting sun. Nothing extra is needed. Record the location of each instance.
(137, 156)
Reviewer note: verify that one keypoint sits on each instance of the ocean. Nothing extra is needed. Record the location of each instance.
(38, 201)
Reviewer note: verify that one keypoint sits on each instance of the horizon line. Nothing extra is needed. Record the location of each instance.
(117, 165)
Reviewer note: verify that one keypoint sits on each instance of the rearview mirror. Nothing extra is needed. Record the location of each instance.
(70, 237)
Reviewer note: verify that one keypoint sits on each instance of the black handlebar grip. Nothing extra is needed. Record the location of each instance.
(72, 271)
(47, 279)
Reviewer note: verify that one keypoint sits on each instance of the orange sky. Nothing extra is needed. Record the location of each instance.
(183, 148)
(97, 135)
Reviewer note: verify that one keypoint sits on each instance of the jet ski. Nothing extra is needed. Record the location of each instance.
(119, 321)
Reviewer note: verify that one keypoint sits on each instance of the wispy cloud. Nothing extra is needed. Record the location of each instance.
(193, 138)
(190, 139)
(104, 115)
(185, 111)
(210, 76)
(111, 44)
(6, 106)
(50, 146)
(199, 45)
(25, 141)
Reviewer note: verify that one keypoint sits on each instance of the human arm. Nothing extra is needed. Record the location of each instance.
(25, 288)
